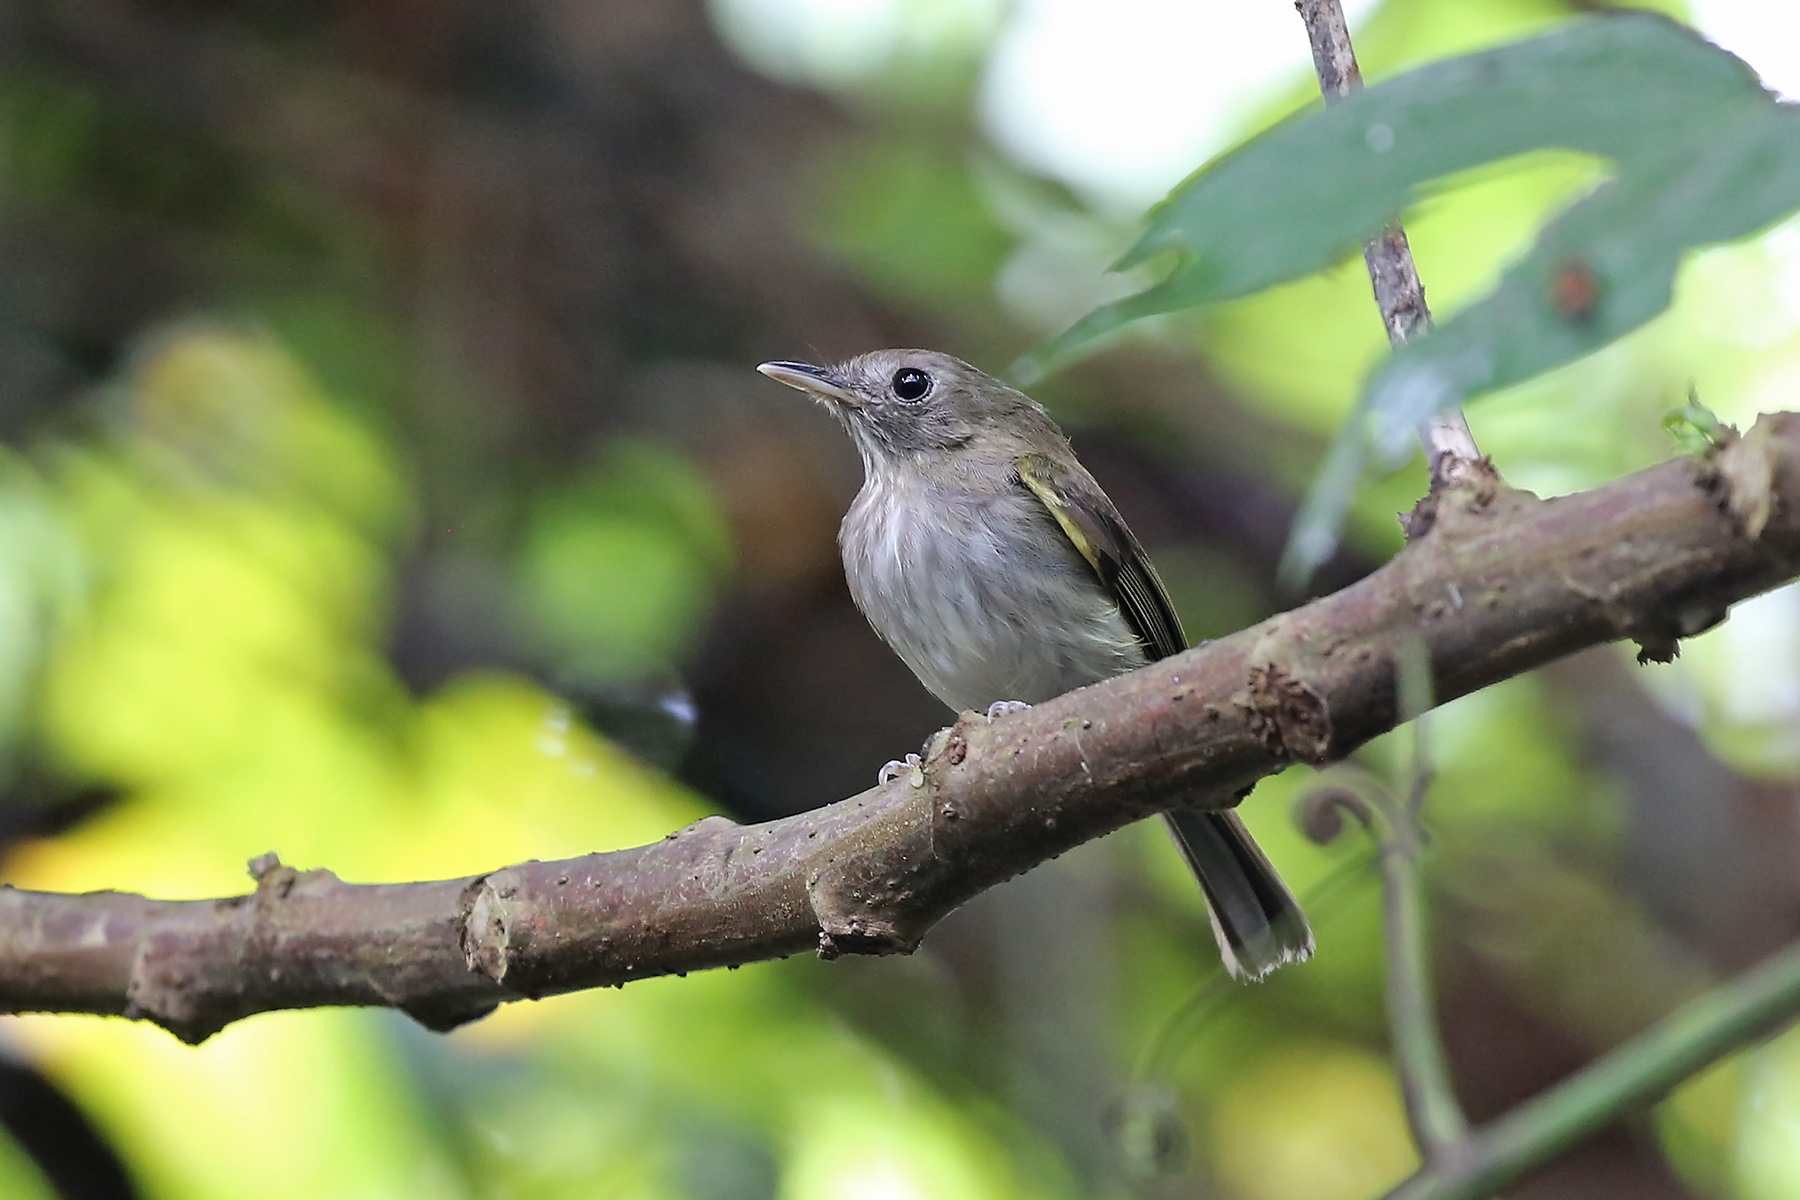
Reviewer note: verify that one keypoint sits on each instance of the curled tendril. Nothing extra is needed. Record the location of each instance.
(1320, 812)
(1389, 820)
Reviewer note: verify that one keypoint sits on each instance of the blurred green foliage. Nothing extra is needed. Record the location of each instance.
(619, 565)
(912, 221)
(226, 672)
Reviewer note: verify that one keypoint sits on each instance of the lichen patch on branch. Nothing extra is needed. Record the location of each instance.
(1288, 716)
(486, 927)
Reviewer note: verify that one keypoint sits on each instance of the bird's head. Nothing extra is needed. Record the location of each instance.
(901, 403)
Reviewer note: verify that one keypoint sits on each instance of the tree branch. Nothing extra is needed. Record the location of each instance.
(1398, 292)
(1499, 582)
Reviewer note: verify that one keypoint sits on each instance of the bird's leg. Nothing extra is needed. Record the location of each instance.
(1001, 708)
(897, 767)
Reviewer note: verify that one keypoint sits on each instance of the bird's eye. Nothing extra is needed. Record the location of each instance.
(910, 383)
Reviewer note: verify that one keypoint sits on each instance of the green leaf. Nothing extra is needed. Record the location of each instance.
(1701, 154)
(1639, 89)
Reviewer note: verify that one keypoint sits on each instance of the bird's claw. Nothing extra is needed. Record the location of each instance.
(897, 767)
(914, 766)
(1001, 708)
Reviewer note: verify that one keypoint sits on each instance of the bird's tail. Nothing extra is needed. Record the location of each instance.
(1256, 919)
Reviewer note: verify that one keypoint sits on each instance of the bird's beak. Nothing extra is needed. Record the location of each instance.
(808, 378)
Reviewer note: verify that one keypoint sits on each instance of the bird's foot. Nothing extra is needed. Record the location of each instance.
(1001, 708)
(895, 768)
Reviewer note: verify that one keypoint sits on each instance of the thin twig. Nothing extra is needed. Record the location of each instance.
(1398, 292)
(1638, 1073)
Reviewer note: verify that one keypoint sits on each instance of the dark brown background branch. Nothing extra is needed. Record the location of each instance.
(1501, 582)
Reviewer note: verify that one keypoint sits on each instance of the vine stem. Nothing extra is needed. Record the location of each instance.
(1437, 1120)
(1641, 1071)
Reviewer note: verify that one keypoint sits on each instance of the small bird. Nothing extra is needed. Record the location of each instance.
(991, 562)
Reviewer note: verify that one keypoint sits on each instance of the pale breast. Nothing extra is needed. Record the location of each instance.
(980, 594)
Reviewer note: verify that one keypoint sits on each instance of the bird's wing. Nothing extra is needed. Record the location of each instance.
(1258, 923)
(1096, 530)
